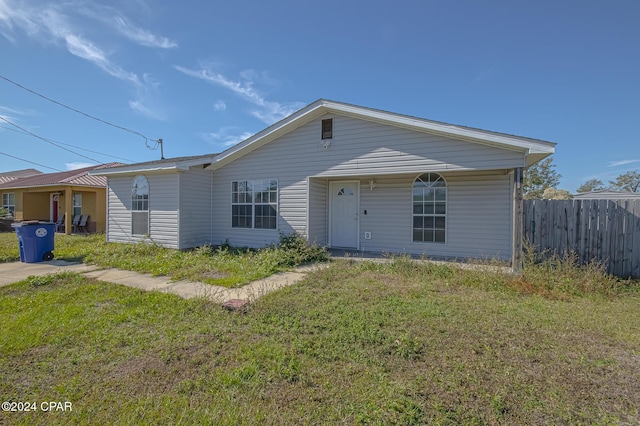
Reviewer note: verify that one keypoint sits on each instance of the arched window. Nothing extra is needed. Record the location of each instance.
(140, 206)
(429, 208)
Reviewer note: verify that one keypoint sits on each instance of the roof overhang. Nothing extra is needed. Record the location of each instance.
(51, 186)
(161, 166)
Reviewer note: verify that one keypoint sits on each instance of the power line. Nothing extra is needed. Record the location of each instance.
(146, 139)
(74, 146)
(48, 141)
(28, 161)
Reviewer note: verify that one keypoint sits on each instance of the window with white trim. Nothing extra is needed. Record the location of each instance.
(9, 202)
(429, 208)
(140, 206)
(77, 204)
(327, 128)
(254, 204)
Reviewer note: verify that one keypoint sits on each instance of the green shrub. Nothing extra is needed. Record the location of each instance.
(294, 249)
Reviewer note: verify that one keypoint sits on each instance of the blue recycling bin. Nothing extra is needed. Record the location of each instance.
(35, 240)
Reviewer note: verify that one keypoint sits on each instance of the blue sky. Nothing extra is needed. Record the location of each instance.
(204, 75)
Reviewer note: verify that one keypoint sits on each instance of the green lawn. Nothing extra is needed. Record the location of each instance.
(396, 343)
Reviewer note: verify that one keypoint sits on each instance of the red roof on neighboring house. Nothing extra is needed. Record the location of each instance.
(13, 175)
(78, 177)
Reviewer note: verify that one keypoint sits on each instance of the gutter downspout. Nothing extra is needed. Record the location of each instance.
(518, 225)
(211, 212)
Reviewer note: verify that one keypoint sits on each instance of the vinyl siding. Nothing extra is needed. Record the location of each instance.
(119, 210)
(362, 148)
(195, 211)
(318, 210)
(478, 223)
(292, 207)
(163, 210)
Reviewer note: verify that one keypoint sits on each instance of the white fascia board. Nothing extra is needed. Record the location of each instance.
(154, 168)
(130, 170)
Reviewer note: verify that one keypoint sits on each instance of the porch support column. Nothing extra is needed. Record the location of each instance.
(68, 210)
(518, 220)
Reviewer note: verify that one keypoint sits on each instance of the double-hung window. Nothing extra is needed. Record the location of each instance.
(140, 206)
(429, 208)
(77, 204)
(254, 204)
(9, 202)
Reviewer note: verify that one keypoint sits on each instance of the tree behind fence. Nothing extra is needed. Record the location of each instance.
(603, 230)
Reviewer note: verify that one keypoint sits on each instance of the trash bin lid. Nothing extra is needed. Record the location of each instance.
(30, 222)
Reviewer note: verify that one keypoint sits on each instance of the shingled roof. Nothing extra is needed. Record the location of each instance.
(78, 177)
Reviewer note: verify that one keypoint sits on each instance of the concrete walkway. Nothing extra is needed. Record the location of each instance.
(17, 271)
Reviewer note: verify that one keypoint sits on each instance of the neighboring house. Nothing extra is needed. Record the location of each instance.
(9, 176)
(8, 200)
(342, 175)
(49, 196)
(605, 194)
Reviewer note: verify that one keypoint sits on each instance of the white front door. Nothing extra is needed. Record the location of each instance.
(343, 219)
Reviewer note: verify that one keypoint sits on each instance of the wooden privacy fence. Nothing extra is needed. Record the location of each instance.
(603, 230)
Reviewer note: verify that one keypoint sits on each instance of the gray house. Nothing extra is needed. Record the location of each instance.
(607, 194)
(342, 175)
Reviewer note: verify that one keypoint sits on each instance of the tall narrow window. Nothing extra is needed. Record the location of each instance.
(140, 206)
(77, 204)
(265, 203)
(254, 204)
(327, 128)
(429, 208)
(9, 203)
(242, 204)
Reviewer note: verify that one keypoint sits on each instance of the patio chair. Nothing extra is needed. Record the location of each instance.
(60, 224)
(82, 225)
(76, 221)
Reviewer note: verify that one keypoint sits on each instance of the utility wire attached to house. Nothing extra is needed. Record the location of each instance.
(146, 139)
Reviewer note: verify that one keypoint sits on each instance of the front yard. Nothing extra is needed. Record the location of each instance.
(356, 343)
(224, 266)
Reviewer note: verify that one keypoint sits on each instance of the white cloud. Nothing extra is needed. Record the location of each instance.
(4, 119)
(64, 24)
(227, 136)
(219, 106)
(142, 36)
(16, 111)
(268, 111)
(622, 162)
(86, 50)
(140, 107)
(11, 17)
(10, 115)
(76, 166)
